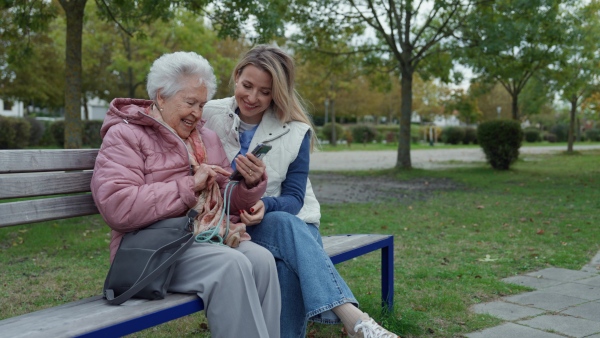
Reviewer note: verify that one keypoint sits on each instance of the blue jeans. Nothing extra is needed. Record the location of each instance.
(310, 284)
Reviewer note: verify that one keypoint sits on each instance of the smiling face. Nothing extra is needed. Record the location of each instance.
(253, 93)
(183, 111)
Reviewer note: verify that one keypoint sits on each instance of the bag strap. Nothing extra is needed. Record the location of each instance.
(188, 239)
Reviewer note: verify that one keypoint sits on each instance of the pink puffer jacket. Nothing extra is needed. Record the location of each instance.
(142, 172)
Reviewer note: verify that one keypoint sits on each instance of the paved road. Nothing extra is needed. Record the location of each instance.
(427, 158)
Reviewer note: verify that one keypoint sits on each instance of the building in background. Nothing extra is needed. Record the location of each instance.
(96, 109)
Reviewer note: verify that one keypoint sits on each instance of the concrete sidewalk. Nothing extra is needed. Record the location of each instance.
(566, 303)
(422, 158)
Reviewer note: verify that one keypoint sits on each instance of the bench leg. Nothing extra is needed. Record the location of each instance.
(387, 275)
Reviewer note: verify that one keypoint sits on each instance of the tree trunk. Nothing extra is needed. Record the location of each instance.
(572, 124)
(333, 131)
(515, 106)
(74, 11)
(403, 161)
(85, 108)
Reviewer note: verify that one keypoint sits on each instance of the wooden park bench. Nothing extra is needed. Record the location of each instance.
(63, 177)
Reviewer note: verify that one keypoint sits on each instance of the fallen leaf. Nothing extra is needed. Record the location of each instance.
(540, 231)
(480, 207)
(488, 259)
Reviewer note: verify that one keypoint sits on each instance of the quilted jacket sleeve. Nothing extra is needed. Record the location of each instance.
(120, 189)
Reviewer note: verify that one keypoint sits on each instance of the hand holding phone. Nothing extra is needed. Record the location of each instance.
(259, 151)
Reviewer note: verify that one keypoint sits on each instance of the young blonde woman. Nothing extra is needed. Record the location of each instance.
(266, 109)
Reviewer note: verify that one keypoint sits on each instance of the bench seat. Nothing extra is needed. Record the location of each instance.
(94, 317)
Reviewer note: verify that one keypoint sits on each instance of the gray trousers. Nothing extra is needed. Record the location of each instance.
(239, 288)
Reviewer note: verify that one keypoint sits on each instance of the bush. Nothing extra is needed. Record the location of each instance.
(532, 135)
(470, 135)
(392, 137)
(363, 133)
(339, 132)
(47, 139)
(57, 130)
(453, 135)
(14, 133)
(91, 133)
(500, 140)
(550, 137)
(592, 134)
(561, 131)
(36, 132)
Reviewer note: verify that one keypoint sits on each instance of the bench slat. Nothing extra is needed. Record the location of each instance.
(47, 209)
(77, 318)
(96, 317)
(30, 185)
(20, 161)
(338, 244)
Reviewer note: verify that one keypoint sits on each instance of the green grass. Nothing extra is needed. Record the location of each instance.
(540, 214)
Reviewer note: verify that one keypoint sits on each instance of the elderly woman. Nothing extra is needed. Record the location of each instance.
(157, 161)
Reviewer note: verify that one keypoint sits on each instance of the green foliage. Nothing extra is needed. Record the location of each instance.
(363, 133)
(500, 140)
(532, 135)
(339, 131)
(592, 135)
(513, 40)
(91, 133)
(14, 133)
(453, 135)
(36, 132)
(561, 131)
(57, 130)
(470, 135)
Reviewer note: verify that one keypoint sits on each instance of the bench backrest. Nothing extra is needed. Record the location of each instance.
(52, 184)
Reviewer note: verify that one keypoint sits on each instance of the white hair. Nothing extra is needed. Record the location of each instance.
(168, 71)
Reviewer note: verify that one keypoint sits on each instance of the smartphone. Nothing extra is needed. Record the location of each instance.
(259, 151)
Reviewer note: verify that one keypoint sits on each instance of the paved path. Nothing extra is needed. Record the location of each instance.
(565, 303)
(426, 158)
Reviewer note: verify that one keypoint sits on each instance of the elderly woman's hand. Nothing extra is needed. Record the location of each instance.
(205, 175)
(251, 168)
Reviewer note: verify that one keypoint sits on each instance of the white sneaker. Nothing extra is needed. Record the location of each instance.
(368, 328)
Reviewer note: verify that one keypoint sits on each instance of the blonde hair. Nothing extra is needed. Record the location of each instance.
(287, 103)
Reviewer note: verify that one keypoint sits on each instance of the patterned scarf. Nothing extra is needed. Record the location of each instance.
(210, 202)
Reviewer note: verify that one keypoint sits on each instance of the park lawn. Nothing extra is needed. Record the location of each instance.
(541, 213)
